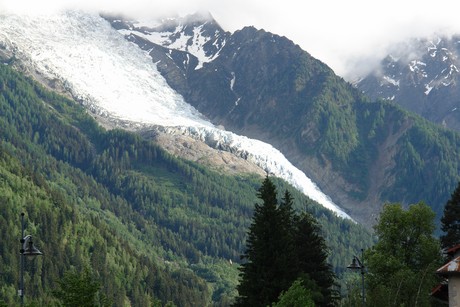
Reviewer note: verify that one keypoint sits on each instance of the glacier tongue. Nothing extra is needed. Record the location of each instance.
(118, 80)
(262, 154)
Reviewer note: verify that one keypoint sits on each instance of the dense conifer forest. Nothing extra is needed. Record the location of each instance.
(148, 226)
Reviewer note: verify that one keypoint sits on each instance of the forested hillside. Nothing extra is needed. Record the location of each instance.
(146, 224)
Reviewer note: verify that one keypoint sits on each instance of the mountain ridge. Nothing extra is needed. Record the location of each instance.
(264, 85)
(422, 75)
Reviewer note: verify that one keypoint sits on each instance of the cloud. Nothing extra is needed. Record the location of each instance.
(138, 7)
(347, 35)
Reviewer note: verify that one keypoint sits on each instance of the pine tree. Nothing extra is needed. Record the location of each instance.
(450, 222)
(259, 280)
(80, 290)
(311, 255)
(288, 261)
(282, 247)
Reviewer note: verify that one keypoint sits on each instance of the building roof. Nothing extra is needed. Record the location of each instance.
(452, 267)
(451, 251)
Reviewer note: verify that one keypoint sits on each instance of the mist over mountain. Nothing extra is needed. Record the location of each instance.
(421, 75)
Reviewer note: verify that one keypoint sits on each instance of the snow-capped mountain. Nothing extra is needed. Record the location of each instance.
(119, 81)
(264, 86)
(199, 35)
(421, 75)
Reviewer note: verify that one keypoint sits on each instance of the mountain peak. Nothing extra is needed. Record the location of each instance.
(420, 74)
(197, 34)
(200, 16)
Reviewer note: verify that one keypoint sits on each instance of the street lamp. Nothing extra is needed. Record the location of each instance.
(27, 250)
(358, 264)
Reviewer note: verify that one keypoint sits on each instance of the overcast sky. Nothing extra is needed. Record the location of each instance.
(336, 32)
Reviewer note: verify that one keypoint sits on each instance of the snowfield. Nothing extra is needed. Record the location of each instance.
(118, 80)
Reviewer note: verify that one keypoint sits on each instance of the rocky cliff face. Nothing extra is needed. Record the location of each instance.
(421, 75)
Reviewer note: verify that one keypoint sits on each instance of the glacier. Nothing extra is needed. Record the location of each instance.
(116, 79)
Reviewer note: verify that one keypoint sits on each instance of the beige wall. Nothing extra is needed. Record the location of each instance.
(454, 291)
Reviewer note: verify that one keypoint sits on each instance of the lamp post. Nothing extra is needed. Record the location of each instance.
(358, 264)
(27, 250)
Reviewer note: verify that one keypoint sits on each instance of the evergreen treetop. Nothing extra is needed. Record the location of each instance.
(450, 222)
(282, 246)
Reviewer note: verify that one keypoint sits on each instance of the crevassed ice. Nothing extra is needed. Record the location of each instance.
(102, 68)
(263, 155)
(100, 65)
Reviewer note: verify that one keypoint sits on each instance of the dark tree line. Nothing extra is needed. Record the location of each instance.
(450, 222)
(283, 246)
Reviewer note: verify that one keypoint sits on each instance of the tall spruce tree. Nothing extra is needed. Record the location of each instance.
(450, 221)
(259, 273)
(288, 262)
(282, 247)
(312, 254)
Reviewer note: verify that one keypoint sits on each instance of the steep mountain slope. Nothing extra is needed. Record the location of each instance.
(421, 75)
(361, 153)
(116, 81)
(63, 179)
(146, 224)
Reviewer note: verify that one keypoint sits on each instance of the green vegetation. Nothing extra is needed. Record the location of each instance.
(450, 221)
(150, 228)
(281, 248)
(80, 290)
(296, 296)
(357, 138)
(351, 133)
(425, 148)
(402, 264)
